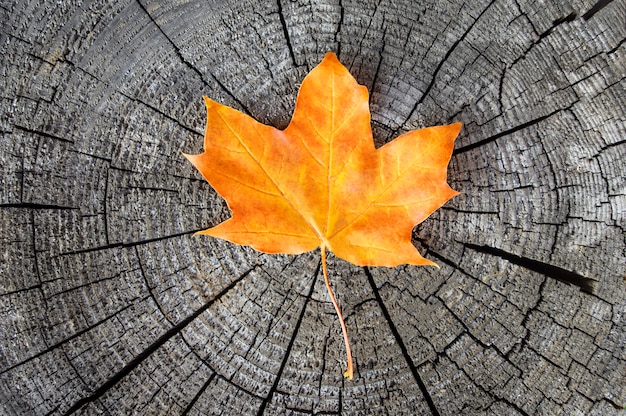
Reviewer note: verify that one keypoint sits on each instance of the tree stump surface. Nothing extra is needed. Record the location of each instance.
(110, 305)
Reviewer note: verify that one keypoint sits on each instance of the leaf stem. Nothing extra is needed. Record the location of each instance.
(349, 373)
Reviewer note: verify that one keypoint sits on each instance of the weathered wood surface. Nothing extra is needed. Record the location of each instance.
(109, 305)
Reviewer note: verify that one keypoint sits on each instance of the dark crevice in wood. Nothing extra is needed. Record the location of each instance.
(241, 105)
(162, 113)
(493, 396)
(134, 99)
(150, 288)
(277, 319)
(596, 8)
(176, 48)
(238, 387)
(66, 340)
(128, 244)
(277, 379)
(43, 134)
(22, 290)
(584, 283)
(132, 364)
(197, 396)
(553, 175)
(433, 78)
(468, 211)
(89, 250)
(357, 306)
(340, 411)
(401, 344)
(466, 273)
(13, 35)
(151, 188)
(565, 19)
(105, 159)
(541, 36)
(380, 61)
(365, 31)
(508, 132)
(34, 206)
(282, 270)
(609, 52)
(523, 54)
(138, 172)
(105, 215)
(303, 411)
(442, 258)
(466, 331)
(283, 24)
(84, 285)
(323, 369)
(610, 145)
(75, 67)
(339, 26)
(285, 310)
(614, 404)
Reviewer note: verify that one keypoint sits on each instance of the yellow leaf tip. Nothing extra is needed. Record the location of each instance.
(426, 262)
(208, 231)
(349, 374)
(457, 126)
(208, 102)
(191, 158)
(331, 55)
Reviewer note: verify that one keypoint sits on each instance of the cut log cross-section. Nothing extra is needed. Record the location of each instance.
(110, 305)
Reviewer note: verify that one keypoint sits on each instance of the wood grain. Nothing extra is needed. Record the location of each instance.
(110, 305)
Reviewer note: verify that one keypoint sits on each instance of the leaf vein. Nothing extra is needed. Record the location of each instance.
(252, 155)
(382, 192)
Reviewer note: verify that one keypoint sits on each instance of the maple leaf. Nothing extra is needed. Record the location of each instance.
(321, 182)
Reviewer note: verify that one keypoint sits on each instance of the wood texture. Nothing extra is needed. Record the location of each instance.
(109, 304)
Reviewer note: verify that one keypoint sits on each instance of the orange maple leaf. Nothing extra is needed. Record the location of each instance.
(321, 182)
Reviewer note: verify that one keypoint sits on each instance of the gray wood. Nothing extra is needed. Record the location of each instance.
(110, 305)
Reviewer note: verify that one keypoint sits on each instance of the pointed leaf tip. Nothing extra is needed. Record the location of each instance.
(331, 56)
